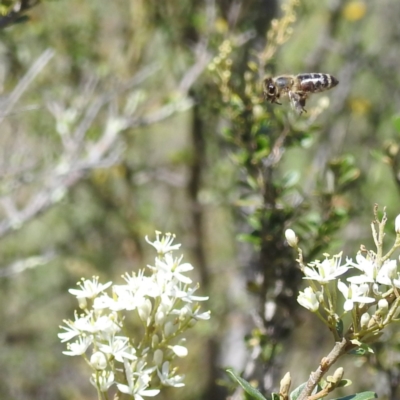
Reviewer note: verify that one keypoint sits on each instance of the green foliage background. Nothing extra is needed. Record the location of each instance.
(189, 173)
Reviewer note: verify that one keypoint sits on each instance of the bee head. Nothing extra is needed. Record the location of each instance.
(270, 90)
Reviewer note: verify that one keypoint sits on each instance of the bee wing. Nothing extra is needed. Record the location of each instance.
(298, 101)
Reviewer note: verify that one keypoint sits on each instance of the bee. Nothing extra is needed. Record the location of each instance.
(297, 88)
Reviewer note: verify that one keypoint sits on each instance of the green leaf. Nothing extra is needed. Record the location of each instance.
(349, 176)
(250, 390)
(296, 392)
(362, 350)
(344, 383)
(359, 396)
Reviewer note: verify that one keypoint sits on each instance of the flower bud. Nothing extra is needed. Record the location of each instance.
(285, 386)
(338, 375)
(144, 310)
(82, 303)
(180, 351)
(169, 329)
(364, 320)
(158, 357)
(383, 307)
(291, 238)
(98, 361)
(155, 340)
(397, 224)
(160, 317)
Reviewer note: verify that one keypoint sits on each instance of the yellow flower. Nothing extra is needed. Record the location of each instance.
(354, 10)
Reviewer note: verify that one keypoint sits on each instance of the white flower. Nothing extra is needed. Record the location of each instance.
(166, 379)
(137, 388)
(387, 272)
(89, 289)
(126, 299)
(191, 310)
(104, 325)
(162, 300)
(140, 285)
(102, 380)
(79, 347)
(172, 268)
(205, 316)
(354, 294)
(328, 270)
(71, 330)
(308, 299)
(119, 347)
(164, 245)
(134, 281)
(188, 295)
(368, 268)
(102, 302)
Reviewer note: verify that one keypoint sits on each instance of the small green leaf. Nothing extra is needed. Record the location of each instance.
(250, 390)
(362, 350)
(359, 396)
(275, 396)
(344, 383)
(296, 392)
(349, 176)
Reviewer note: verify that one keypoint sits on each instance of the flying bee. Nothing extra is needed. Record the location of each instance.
(297, 88)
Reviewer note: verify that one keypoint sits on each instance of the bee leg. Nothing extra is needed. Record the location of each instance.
(302, 103)
(275, 100)
(272, 100)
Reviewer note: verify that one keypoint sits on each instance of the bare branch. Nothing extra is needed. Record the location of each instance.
(28, 263)
(23, 84)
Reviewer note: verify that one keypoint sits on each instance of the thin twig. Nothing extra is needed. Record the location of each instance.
(23, 84)
(338, 350)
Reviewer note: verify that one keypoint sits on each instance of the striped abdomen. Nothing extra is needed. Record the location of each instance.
(316, 82)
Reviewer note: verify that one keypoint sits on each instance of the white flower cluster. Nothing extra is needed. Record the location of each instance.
(371, 293)
(366, 287)
(131, 337)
